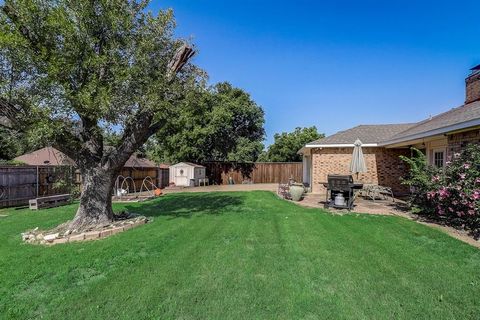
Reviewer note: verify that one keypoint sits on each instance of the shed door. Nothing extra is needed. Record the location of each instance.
(181, 177)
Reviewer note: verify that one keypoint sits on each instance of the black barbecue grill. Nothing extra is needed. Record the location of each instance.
(341, 184)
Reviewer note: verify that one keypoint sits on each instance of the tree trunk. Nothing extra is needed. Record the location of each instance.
(96, 199)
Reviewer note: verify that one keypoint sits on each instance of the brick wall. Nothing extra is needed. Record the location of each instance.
(384, 167)
(460, 140)
(473, 88)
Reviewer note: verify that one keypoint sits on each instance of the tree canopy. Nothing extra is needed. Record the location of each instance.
(70, 71)
(220, 123)
(287, 144)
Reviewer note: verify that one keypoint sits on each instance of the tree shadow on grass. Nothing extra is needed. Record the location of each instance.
(187, 205)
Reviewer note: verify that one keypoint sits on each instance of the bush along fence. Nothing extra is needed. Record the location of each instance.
(258, 172)
(451, 194)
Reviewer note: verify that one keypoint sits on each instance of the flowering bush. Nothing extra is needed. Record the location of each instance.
(452, 195)
(421, 179)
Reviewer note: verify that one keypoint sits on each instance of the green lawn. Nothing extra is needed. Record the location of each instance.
(239, 256)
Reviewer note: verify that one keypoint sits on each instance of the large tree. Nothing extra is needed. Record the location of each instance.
(287, 144)
(219, 123)
(72, 70)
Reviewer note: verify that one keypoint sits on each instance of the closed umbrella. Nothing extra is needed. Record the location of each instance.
(358, 161)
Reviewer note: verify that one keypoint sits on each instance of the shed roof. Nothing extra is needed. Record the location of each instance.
(191, 164)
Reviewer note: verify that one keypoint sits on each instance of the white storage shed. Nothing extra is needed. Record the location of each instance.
(187, 174)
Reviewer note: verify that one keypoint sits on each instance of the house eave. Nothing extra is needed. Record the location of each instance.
(339, 145)
(436, 132)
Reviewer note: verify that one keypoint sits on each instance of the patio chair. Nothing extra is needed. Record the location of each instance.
(377, 192)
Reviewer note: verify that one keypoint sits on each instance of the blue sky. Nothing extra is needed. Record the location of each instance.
(336, 64)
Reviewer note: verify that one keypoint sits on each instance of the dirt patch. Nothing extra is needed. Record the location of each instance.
(459, 234)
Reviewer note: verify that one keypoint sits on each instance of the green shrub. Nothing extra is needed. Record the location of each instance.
(452, 194)
(420, 180)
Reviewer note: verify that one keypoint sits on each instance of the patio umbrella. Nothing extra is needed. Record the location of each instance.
(358, 161)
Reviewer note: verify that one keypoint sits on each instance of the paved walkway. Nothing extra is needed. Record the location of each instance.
(383, 207)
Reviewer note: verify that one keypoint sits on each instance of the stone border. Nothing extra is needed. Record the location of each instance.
(56, 238)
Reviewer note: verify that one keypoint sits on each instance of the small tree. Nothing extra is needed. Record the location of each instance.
(287, 144)
(70, 71)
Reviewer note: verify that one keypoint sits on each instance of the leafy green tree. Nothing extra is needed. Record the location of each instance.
(14, 143)
(221, 123)
(10, 144)
(70, 71)
(287, 144)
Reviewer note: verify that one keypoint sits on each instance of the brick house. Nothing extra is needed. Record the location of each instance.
(439, 137)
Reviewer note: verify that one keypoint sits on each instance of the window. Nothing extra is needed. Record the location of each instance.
(439, 158)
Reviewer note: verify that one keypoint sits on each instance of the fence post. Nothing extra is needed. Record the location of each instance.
(37, 183)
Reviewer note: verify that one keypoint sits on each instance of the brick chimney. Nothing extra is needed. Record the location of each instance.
(473, 85)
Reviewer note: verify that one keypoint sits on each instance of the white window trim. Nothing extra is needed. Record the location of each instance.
(438, 150)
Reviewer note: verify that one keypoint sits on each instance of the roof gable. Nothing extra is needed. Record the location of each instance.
(368, 134)
(45, 156)
(190, 164)
(53, 157)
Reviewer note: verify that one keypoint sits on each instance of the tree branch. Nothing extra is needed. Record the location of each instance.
(12, 116)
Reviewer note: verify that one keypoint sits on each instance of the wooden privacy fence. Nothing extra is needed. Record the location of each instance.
(259, 172)
(18, 184)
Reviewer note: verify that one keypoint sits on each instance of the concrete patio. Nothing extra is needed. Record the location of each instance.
(362, 205)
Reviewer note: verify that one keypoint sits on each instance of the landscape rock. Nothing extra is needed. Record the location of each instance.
(51, 237)
(63, 235)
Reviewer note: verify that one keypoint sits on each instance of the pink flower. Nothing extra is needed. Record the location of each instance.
(466, 165)
(471, 212)
(431, 195)
(444, 193)
(435, 178)
(463, 176)
(477, 180)
(476, 195)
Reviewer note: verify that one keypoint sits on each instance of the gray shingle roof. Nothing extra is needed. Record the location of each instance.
(366, 133)
(53, 157)
(455, 116)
